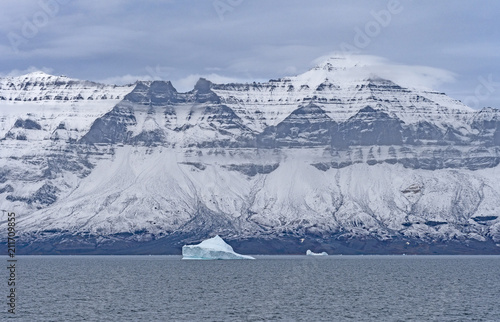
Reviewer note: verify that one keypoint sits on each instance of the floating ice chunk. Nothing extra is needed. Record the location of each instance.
(309, 253)
(213, 248)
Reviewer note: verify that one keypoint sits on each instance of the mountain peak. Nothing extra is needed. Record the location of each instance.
(338, 63)
(203, 86)
(36, 76)
(38, 73)
(40, 86)
(341, 70)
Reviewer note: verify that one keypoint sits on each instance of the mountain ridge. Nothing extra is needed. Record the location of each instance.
(352, 163)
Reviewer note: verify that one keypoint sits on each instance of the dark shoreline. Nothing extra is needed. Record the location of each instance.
(171, 245)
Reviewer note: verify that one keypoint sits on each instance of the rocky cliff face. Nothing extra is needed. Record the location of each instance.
(334, 158)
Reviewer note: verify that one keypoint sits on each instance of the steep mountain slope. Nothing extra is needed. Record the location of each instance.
(336, 158)
(62, 108)
(41, 117)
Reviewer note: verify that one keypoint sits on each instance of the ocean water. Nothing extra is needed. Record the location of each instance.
(271, 288)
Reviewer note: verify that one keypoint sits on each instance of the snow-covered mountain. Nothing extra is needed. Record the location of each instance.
(335, 159)
(62, 107)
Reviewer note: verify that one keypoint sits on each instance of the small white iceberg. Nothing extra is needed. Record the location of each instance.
(213, 248)
(309, 253)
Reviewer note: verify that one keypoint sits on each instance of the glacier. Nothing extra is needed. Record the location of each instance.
(213, 248)
(338, 157)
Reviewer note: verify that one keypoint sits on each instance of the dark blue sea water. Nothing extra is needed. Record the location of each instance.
(271, 288)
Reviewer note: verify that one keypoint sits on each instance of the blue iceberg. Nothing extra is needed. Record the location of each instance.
(213, 248)
(310, 253)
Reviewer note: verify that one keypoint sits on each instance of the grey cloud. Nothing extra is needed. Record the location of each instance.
(256, 39)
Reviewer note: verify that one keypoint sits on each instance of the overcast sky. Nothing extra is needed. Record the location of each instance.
(119, 41)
